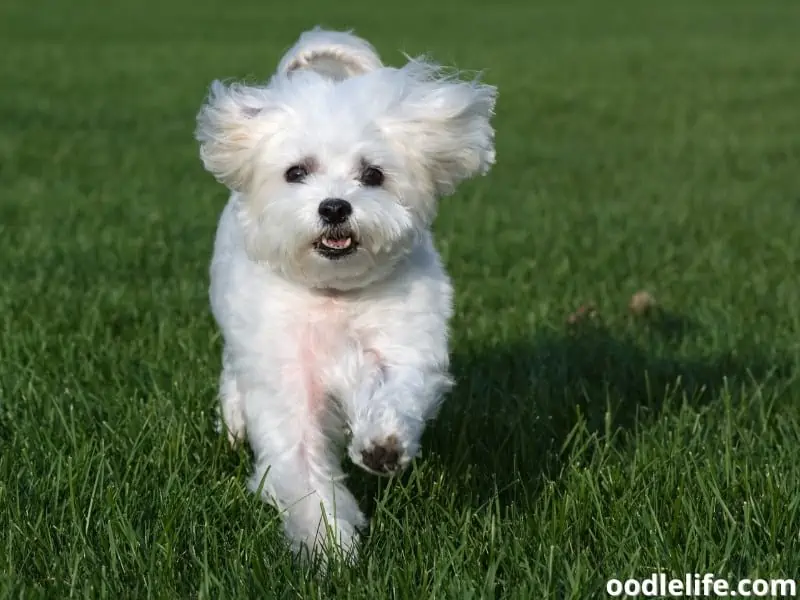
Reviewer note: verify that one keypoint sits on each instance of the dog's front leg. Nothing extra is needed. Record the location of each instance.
(388, 416)
(296, 466)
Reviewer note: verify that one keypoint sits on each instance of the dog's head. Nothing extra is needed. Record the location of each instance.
(337, 162)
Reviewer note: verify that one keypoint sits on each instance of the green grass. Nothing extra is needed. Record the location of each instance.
(641, 146)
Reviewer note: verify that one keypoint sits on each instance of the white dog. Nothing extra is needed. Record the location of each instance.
(331, 298)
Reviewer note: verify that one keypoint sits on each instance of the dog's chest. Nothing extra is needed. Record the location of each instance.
(328, 335)
(325, 326)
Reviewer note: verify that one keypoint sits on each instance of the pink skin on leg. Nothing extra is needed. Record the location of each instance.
(296, 451)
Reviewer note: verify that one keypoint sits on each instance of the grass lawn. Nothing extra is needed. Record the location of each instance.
(640, 145)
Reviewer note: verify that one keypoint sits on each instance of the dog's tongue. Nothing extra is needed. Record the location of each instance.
(337, 244)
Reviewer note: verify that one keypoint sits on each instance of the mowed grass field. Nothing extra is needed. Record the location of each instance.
(641, 146)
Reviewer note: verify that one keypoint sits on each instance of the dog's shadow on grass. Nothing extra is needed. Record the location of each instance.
(515, 406)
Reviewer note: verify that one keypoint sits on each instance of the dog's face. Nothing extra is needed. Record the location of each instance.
(336, 178)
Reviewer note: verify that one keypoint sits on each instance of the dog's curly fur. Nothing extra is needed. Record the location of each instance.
(335, 335)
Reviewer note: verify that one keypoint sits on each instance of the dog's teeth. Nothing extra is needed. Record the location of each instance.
(337, 244)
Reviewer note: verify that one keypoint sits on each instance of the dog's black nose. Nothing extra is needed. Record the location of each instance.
(335, 210)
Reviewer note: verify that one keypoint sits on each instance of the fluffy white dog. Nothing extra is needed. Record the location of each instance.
(331, 298)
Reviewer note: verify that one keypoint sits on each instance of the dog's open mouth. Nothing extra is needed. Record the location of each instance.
(335, 244)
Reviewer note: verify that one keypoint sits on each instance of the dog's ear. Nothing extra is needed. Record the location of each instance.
(230, 125)
(334, 54)
(444, 123)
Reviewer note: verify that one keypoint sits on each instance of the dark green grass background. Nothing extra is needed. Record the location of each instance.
(641, 145)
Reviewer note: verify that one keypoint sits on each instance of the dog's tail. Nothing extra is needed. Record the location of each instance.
(334, 54)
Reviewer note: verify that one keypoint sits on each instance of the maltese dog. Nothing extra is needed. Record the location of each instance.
(331, 298)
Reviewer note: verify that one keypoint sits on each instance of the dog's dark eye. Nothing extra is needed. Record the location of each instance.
(295, 174)
(371, 177)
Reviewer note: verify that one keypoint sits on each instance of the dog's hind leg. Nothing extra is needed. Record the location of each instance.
(230, 411)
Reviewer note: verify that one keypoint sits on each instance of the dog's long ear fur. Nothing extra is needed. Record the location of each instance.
(334, 54)
(444, 123)
(229, 127)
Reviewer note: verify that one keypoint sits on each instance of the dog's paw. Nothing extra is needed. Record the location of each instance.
(384, 456)
(331, 541)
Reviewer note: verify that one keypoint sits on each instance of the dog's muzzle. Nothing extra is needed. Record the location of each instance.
(337, 241)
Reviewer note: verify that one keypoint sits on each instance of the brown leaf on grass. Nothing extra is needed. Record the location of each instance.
(585, 313)
(642, 303)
